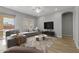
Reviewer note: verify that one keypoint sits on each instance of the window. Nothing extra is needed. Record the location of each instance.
(1, 23)
(8, 23)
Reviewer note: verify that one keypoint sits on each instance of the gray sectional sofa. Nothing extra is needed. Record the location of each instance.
(29, 34)
(12, 41)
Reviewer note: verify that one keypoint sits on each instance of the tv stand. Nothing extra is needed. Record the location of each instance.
(49, 33)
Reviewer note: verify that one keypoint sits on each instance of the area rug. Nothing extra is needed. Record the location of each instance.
(41, 44)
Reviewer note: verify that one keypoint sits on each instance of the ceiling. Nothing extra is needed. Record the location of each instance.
(45, 9)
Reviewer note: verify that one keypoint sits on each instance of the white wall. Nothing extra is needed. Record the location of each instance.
(28, 24)
(56, 18)
(19, 17)
(76, 26)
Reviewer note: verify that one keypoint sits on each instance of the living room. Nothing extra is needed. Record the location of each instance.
(31, 19)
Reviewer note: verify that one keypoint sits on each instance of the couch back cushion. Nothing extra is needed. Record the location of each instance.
(8, 33)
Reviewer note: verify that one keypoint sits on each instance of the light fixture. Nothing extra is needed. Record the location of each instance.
(37, 9)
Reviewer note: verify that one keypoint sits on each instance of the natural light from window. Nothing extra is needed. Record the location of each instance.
(8, 23)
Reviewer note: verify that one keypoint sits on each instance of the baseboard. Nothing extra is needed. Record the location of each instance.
(67, 35)
(59, 36)
(76, 45)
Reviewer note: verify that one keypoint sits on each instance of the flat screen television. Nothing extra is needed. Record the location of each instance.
(48, 25)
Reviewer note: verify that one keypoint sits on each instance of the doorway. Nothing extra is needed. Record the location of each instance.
(67, 24)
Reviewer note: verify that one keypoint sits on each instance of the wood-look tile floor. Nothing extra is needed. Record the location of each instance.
(63, 45)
